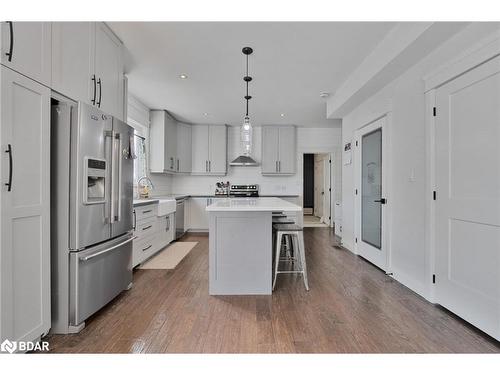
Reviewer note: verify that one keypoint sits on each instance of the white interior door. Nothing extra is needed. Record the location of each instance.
(468, 196)
(318, 186)
(371, 193)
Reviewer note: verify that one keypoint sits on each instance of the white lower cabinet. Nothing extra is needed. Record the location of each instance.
(24, 208)
(198, 216)
(152, 232)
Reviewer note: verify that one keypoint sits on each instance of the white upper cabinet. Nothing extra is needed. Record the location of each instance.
(24, 208)
(26, 48)
(183, 148)
(279, 150)
(73, 59)
(217, 150)
(270, 136)
(163, 143)
(199, 137)
(108, 71)
(209, 154)
(87, 65)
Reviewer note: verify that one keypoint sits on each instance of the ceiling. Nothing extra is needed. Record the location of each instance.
(292, 63)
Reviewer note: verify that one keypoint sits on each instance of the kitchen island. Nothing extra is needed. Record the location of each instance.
(240, 242)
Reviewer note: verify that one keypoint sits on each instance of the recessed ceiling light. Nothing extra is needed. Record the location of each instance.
(205, 114)
(183, 76)
(324, 94)
(282, 115)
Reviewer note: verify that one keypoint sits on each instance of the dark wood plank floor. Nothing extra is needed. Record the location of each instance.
(352, 307)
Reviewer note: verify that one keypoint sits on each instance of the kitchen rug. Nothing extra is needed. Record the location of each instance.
(169, 257)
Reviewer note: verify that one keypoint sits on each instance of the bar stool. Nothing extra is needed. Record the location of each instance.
(287, 242)
(297, 235)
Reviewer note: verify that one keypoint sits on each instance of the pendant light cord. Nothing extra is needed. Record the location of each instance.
(247, 87)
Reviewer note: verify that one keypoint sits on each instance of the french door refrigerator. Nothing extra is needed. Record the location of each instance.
(91, 200)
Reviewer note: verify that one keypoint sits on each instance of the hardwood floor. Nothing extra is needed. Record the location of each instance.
(352, 307)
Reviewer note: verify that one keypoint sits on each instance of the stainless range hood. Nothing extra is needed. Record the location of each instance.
(244, 161)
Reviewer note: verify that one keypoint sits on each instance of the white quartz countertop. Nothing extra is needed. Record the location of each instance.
(252, 204)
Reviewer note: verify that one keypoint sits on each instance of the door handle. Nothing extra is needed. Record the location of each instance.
(99, 82)
(95, 89)
(119, 156)
(11, 44)
(9, 151)
(381, 201)
(108, 250)
(113, 183)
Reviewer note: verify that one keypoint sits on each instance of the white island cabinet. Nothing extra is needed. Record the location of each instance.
(240, 244)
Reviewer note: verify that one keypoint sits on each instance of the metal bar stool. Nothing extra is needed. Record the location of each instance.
(297, 235)
(287, 242)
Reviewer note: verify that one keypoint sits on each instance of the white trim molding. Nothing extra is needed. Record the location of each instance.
(483, 51)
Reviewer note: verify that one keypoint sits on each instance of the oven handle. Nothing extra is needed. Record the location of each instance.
(84, 259)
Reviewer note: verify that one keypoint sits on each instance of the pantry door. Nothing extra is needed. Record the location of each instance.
(468, 196)
(371, 193)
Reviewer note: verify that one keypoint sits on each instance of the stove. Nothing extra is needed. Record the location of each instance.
(244, 190)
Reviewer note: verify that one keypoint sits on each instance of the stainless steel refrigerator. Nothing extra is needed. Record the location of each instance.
(91, 222)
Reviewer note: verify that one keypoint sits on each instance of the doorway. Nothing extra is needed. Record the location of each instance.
(317, 190)
(370, 193)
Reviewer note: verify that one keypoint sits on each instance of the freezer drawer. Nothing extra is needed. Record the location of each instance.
(97, 275)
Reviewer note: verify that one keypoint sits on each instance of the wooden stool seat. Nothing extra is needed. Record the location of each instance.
(282, 227)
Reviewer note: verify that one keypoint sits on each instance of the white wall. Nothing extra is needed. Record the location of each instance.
(405, 98)
(318, 139)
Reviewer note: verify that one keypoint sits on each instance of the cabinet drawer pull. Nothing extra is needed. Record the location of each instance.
(9, 151)
(95, 89)
(146, 248)
(147, 211)
(99, 82)
(146, 228)
(11, 45)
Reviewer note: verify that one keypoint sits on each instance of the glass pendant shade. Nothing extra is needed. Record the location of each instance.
(246, 134)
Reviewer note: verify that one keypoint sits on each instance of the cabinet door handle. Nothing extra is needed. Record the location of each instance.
(99, 82)
(146, 228)
(206, 165)
(147, 247)
(11, 44)
(95, 89)
(276, 166)
(279, 165)
(9, 151)
(210, 165)
(147, 211)
(135, 220)
(177, 165)
(168, 224)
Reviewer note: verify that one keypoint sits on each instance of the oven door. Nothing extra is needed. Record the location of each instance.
(97, 275)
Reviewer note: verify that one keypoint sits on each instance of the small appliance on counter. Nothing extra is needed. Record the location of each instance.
(222, 188)
(244, 190)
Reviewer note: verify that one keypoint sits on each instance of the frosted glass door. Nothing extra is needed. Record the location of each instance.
(371, 188)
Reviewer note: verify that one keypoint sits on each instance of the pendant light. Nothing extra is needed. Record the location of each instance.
(246, 130)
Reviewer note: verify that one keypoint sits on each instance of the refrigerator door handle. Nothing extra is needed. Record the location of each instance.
(113, 166)
(84, 259)
(119, 156)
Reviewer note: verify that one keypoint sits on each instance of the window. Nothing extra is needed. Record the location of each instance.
(140, 168)
(141, 133)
